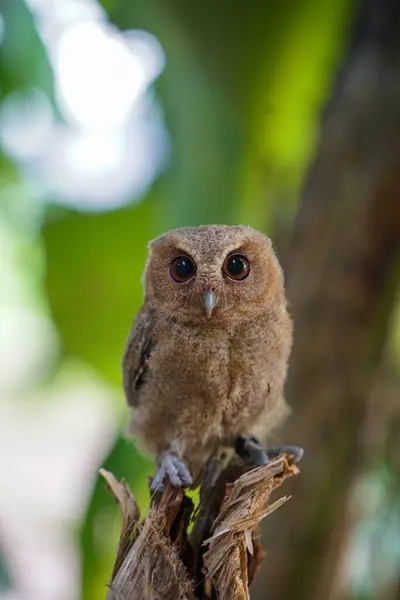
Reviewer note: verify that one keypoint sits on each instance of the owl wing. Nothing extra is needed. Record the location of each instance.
(137, 354)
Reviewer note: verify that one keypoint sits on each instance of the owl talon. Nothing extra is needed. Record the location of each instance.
(295, 453)
(175, 469)
(249, 449)
(252, 452)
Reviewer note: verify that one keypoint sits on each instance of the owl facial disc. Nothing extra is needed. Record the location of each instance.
(209, 301)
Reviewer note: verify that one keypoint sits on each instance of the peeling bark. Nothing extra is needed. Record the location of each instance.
(159, 560)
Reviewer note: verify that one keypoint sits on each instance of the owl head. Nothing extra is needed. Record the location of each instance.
(211, 273)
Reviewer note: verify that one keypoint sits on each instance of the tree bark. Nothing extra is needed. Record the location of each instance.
(342, 268)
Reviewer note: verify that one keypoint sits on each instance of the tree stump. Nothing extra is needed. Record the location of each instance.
(180, 553)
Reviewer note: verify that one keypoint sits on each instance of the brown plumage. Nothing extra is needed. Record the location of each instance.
(207, 356)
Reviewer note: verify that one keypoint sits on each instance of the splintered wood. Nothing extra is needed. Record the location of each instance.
(158, 560)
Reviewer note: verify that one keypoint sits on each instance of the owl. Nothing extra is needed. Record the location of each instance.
(206, 360)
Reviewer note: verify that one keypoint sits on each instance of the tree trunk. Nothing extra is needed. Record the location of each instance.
(341, 285)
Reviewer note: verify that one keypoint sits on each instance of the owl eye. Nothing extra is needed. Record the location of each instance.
(182, 269)
(236, 267)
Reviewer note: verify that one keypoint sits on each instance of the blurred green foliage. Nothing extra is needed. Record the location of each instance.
(94, 263)
(5, 577)
(24, 65)
(23, 59)
(242, 93)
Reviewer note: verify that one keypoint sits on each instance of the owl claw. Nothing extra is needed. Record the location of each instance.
(175, 469)
(252, 452)
(295, 453)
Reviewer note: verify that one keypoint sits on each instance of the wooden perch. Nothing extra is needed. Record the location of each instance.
(157, 559)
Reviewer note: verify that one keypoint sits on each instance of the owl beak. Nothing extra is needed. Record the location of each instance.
(209, 301)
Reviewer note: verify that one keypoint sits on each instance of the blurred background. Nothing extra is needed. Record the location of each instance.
(122, 119)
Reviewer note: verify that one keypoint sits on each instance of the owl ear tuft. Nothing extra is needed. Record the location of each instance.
(162, 240)
(152, 243)
(156, 243)
(268, 242)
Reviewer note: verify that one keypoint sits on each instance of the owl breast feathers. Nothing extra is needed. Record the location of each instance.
(207, 356)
